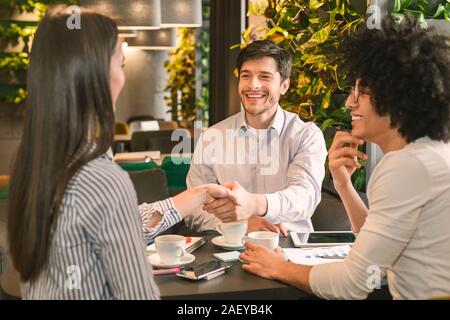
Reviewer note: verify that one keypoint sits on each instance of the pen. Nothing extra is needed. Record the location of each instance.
(166, 271)
(333, 257)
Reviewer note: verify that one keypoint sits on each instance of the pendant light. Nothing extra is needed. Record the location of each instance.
(181, 13)
(162, 39)
(135, 14)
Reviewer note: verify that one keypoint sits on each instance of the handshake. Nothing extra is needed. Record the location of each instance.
(228, 202)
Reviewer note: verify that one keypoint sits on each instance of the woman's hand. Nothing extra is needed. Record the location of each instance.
(243, 205)
(262, 261)
(273, 265)
(193, 198)
(215, 191)
(343, 158)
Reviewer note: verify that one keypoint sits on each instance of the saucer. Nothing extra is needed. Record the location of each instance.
(219, 241)
(155, 261)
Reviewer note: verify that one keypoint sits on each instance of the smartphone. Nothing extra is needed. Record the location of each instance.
(202, 270)
(322, 238)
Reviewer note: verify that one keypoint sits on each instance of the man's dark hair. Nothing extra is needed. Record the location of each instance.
(266, 48)
(406, 69)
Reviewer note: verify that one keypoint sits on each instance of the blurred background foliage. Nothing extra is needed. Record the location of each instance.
(181, 83)
(15, 44)
(312, 30)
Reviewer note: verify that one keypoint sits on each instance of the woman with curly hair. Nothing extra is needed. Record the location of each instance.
(401, 101)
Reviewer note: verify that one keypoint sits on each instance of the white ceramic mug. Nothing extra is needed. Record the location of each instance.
(266, 239)
(170, 248)
(233, 232)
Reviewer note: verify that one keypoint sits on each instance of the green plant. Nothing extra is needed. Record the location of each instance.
(422, 9)
(312, 30)
(181, 82)
(11, 32)
(39, 7)
(203, 47)
(14, 61)
(14, 94)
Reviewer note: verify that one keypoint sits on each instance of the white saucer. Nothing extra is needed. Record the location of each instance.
(219, 241)
(155, 261)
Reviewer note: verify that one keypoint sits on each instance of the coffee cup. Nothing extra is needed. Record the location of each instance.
(266, 239)
(170, 248)
(233, 232)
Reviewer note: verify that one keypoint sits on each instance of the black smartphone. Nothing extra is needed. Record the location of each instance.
(202, 270)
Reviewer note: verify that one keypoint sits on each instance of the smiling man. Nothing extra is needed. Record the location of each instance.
(274, 160)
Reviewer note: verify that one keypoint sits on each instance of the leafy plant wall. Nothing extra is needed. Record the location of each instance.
(181, 82)
(422, 9)
(187, 64)
(203, 48)
(312, 30)
(15, 40)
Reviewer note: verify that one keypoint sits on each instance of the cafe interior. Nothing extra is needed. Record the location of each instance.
(181, 78)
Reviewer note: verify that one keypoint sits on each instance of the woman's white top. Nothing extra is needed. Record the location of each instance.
(406, 234)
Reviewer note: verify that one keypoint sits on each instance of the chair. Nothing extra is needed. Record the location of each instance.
(330, 214)
(157, 140)
(10, 285)
(150, 185)
(4, 189)
(9, 278)
(135, 123)
(176, 169)
(167, 125)
(140, 118)
(3, 231)
(4, 193)
(138, 166)
(440, 298)
(122, 128)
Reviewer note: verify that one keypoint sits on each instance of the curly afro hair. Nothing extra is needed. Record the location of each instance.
(407, 71)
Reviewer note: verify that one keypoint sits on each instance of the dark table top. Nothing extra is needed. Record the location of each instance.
(236, 283)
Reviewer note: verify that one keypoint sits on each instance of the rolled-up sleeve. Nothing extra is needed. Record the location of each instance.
(395, 207)
(166, 208)
(305, 175)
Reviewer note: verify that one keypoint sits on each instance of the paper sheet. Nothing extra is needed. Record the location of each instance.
(315, 256)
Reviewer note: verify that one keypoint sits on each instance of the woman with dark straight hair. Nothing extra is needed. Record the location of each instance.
(73, 225)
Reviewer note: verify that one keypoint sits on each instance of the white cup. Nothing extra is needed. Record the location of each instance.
(233, 232)
(170, 248)
(266, 239)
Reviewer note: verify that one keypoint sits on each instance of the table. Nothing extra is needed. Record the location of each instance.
(235, 284)
(122, 137)
(122, 143)
(139, 157)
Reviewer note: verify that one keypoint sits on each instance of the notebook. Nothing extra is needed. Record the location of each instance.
(192, 244)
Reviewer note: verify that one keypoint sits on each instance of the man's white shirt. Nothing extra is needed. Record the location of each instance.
(284, 162)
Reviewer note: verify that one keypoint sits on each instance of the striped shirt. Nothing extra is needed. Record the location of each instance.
(97, 249)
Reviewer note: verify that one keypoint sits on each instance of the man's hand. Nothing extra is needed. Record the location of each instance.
(241, 207)
(213, 192)
(343, 160)
(261, 224)
(193, 198)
